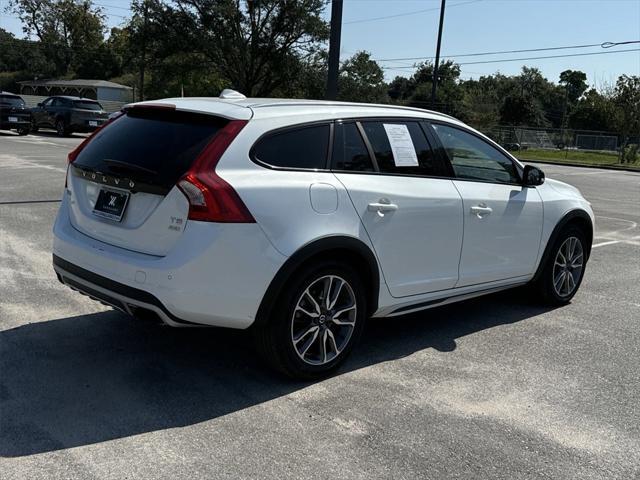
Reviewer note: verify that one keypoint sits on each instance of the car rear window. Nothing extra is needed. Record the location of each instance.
(11, 100)
(151, 146)
(304, 147)
(87, 105)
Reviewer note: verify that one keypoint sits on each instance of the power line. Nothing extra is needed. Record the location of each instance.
(527, 58)
(406, 14)
(551, 56)
(602, 45)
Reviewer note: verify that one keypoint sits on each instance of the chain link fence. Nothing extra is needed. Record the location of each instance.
(576, 146)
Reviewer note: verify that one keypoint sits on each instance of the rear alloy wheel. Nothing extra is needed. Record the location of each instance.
(323, 320)
(564, 270)
(316, 322)
(23, 131)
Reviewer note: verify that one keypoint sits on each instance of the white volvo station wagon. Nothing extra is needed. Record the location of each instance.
(301, 219)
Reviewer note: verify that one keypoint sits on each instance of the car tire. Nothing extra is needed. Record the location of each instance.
(61, 128)
(306, 338)
(23, 131)
(564, 268)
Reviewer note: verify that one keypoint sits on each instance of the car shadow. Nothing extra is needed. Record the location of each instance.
(91, 378)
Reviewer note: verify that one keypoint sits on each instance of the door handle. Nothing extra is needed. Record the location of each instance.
(383, 205)
(481, 210)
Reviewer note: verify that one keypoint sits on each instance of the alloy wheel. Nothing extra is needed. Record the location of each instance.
(323, 320)
(568, 265)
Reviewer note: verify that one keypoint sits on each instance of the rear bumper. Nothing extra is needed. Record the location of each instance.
(216, 274)
(82, 126)
(21, 123)
(118, 295)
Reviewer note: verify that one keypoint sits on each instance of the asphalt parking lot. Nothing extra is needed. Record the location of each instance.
(496, 387)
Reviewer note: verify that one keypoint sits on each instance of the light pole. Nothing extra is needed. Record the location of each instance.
(434, 81)
(334, 50)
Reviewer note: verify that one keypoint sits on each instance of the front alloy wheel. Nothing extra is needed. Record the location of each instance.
(564, 268)
(567, 268)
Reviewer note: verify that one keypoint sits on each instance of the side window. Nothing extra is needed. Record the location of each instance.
(349, 151)
(473, 158)
(304, 147)
(48, 102)
(401, 148)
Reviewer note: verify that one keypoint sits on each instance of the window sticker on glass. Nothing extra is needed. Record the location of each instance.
(404, 153)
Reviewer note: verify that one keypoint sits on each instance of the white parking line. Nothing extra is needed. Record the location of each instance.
(612, 242)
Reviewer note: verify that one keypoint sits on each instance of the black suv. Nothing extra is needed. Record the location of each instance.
(14, 115)
(68, 114)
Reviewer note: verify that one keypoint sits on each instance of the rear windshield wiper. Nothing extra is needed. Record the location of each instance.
(128, 167)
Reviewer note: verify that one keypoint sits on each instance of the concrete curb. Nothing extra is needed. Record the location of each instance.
(569, 164)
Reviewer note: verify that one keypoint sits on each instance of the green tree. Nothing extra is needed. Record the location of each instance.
(256, 47)
(575, 84)
(594, 111)
(449, 92)
(69, 32)
(362, 80)
(626, 97)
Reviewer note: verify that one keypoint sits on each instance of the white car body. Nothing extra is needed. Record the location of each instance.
(433, 249)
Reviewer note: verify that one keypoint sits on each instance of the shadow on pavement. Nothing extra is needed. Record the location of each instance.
(81, 380)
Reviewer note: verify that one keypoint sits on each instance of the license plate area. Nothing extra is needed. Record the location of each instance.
(13, 119)
(111, 204)
(93, 123)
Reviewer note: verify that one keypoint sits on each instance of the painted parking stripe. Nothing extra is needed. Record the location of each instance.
(612, 242)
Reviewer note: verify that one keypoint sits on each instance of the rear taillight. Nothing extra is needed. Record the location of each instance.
(73, 154)
(211, 199)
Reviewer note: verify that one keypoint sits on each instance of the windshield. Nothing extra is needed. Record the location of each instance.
(11, 100)
(86, 105)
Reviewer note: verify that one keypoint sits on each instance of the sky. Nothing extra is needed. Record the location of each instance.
(476, 26)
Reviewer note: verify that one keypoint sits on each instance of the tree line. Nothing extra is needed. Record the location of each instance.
(278, 48)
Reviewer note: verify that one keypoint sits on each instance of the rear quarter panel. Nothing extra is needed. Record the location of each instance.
(280, 200)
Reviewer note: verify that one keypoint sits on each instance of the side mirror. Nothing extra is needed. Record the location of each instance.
(40, 104)
(532, 176)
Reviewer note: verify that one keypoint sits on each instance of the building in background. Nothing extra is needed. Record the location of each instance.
(100, 90)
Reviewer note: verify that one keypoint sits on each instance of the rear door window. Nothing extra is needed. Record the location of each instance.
(349, 150)
(401, 147)
(303, 147)
(151, 146)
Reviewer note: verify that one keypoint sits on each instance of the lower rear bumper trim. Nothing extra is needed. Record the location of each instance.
(118, 295)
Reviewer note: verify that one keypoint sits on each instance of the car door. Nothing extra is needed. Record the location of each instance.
(38, 112)
(502, 218)
(52, 111)
(410, 211)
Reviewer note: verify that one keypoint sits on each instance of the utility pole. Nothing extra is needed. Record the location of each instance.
(334, 50)
(143, 46)
(434, 81)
